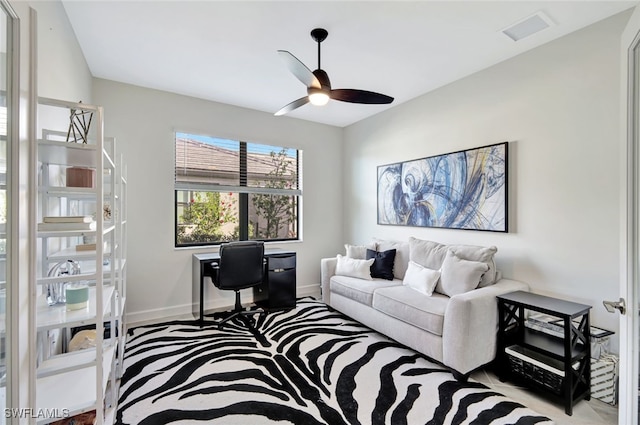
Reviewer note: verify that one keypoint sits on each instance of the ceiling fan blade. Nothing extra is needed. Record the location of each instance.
(299, 69)
(359, 96)
(293, 105)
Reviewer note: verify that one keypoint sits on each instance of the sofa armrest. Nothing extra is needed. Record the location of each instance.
(469, 334)
(327, 270)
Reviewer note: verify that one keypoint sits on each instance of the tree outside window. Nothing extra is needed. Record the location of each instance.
(276, 213)
(208, 216)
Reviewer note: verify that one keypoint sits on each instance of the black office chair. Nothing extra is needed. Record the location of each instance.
(241, 266)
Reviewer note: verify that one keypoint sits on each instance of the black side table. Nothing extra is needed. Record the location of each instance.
(560, 366)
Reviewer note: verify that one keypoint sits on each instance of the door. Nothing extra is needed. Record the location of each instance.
(630, 229)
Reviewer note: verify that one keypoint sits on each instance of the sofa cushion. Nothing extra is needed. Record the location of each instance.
(354, 268)
(422, 279)
(479, 253)
(419, 310)
(358, 289)
(459, 276)
(427, 253)
(431, 254)
(382, 266)
(402, 255)
(359, 252)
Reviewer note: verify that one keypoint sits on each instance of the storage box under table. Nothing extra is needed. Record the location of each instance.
(604, 379)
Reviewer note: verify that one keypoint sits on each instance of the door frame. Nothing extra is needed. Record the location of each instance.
(630, 222)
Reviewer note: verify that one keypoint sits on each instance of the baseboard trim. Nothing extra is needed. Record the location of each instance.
(183, 312)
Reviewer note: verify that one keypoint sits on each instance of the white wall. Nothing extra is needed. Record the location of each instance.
(558, 106)
(62, 69)
(143, 122)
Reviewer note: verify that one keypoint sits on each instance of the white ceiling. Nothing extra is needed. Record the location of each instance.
(225, 51)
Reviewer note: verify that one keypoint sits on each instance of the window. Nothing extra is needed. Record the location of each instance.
(228, 190)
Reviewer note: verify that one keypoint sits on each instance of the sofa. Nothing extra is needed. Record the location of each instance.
(437, 299)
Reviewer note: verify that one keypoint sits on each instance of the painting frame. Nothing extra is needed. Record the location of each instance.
(462, 190)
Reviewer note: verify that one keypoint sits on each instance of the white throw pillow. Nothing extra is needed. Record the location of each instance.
(421, 278)
(483, 254)
(358, 252)
(354, 268)
(459, 276)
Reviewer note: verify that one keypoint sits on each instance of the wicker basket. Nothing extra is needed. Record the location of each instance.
(544, 371)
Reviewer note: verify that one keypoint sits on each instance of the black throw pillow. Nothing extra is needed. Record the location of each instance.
(382, 266)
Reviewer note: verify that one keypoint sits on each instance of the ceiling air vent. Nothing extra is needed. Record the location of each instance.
(527, 26)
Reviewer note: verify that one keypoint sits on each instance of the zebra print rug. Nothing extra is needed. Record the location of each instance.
(310, 365)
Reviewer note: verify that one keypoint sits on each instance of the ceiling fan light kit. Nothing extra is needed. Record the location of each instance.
(319, 89)
(318, 97)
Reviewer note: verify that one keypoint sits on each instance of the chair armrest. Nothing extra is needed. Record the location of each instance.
(470, 329)
(327, 270)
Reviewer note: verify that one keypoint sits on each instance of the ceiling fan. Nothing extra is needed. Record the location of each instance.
(319, 89)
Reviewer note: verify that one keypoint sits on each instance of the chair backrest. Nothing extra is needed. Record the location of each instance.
(241, 265)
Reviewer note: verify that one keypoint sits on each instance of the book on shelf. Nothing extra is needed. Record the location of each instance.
(52, 227)
(86, 247)
(68, 219)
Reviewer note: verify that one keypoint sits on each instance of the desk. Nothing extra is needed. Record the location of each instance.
(278, 290)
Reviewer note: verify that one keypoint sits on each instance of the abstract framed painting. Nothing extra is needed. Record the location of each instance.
(459, 190)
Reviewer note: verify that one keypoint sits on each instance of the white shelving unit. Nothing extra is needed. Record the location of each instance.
(120, 219)
(78, 381)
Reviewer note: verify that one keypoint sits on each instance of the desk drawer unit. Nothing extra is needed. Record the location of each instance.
(279, 288)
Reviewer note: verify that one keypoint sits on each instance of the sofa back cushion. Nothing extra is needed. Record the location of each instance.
(432, 254)
(401, 261)
(427, 253)
(359, 252)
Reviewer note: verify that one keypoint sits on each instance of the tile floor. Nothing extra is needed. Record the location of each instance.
(592, 412)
